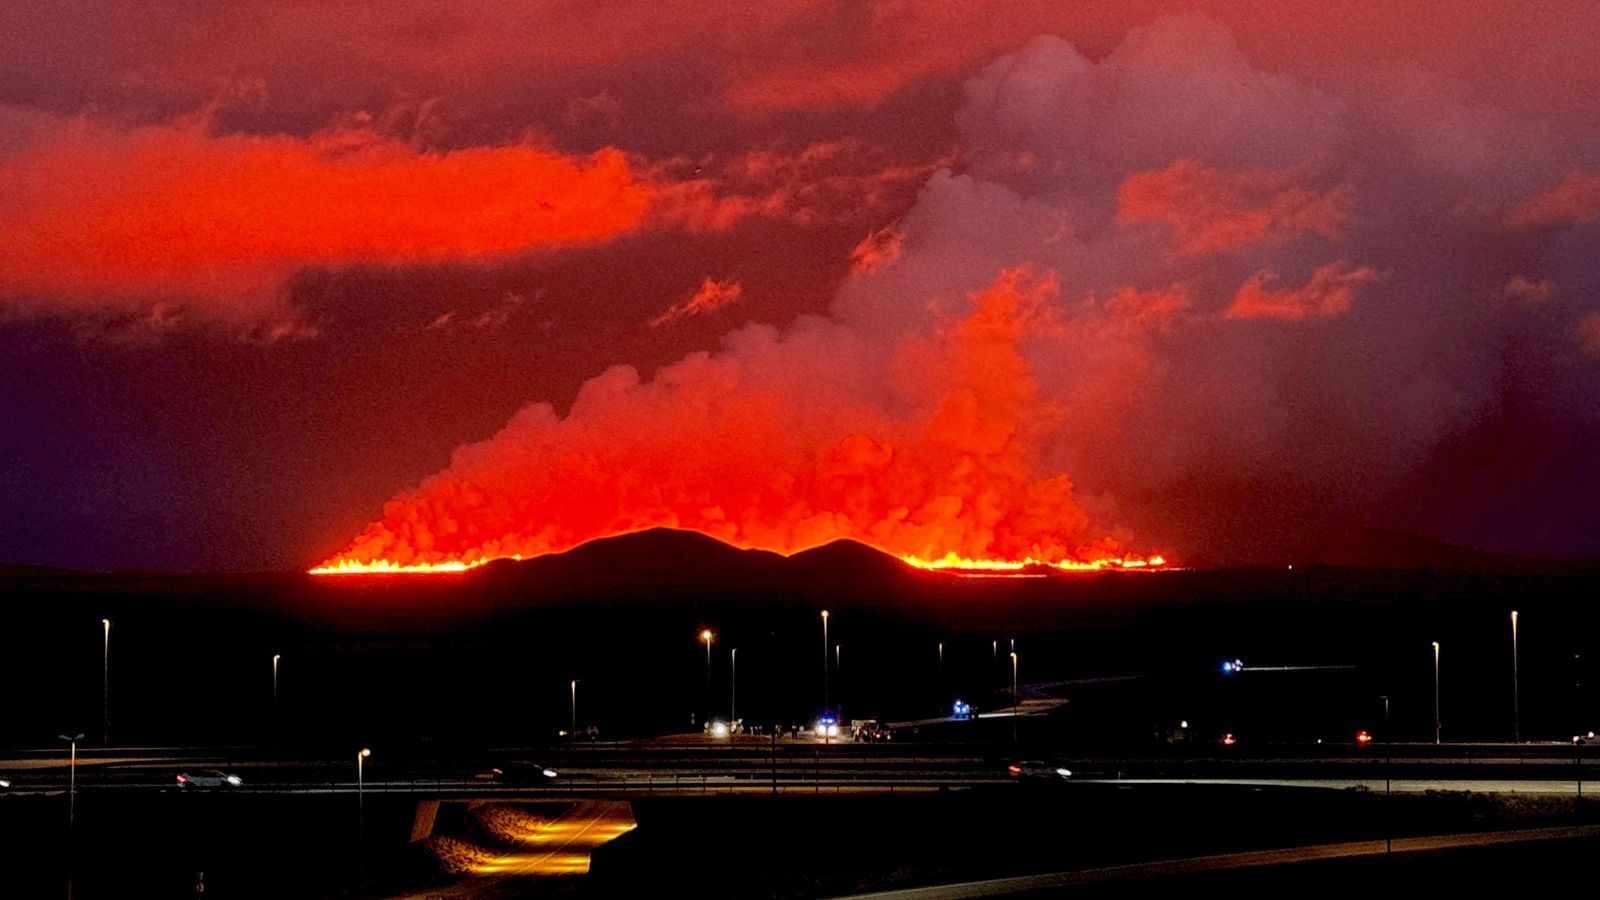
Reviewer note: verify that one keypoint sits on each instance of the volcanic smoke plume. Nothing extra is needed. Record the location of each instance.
(1239, 306)
(777, 443)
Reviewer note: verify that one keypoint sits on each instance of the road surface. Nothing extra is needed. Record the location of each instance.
(1027, 884)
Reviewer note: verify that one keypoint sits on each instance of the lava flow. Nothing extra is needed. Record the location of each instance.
(950, 563)
(953, 563)
(385, 567)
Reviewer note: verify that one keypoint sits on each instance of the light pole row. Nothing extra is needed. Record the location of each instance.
(105, 685)
(1516, 688)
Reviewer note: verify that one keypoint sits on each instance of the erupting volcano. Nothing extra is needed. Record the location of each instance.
(926, 446)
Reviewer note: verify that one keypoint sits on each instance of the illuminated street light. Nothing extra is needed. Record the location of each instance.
(1013, 696)
(733, 691)
(825, 698)
(72, 778)
(574, 732)
(105, 685)
(707, 636)
(275, 658)
(1516, 691)
(361, 796)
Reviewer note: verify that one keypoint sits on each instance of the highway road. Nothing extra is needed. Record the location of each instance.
(690, 767)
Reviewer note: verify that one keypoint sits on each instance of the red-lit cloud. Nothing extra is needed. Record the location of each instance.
(1575, 201)
(878, 249)
(711, 296)
(1328, 293)
(833, 182)
(97, 216)
(1210, 211)
(177, 219)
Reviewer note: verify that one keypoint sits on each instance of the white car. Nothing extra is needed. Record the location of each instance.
(208, 778)
(1034, 768)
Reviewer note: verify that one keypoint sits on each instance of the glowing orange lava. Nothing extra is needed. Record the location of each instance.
(953, 562)
(385, 567)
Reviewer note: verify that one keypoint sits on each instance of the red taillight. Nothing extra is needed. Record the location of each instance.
(1015, 770)
(182, 779)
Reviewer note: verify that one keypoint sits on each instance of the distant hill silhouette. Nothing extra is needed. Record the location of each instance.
(845, 560)
(652, 557)
(1382, 548)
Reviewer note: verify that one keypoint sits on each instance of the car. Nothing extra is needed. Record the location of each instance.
(1038, 769)
(518, 773)
(208, 778)
(1586, 740)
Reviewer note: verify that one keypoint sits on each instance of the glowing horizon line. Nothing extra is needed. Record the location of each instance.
(385, 567)
(950, 564)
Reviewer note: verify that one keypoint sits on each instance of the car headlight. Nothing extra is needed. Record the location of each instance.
(1064, 773)
(549, 773)
(234, 780)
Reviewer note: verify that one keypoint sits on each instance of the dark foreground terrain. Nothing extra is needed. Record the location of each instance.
(489, 656)
(265, 847)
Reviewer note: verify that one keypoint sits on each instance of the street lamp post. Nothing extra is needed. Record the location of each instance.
(825, 698)
(105, 685)
(361, 794)
(574, 732)
(1516, 688)
(733, 691)
(1013, 696)
(1436, 691)
(939, 685)
(708, 701)
(72, 778)
(275, 658)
